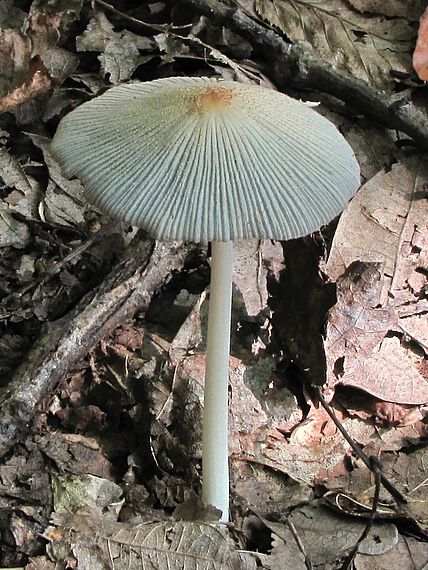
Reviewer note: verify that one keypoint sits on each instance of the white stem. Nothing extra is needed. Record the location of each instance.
(215, 456)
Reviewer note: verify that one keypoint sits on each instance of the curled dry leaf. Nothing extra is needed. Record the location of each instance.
(420, 55)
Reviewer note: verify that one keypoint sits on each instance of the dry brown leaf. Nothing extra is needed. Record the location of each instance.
(120, 54)
(10, 15)
(389, 374)
(308, 464)
(266, 490)
(358, 322)
(252, 261)
(392, 8)
(40, 563)
(381, 223)
(15, 55)
(420, 55)
(366, 47)
(249, 275)
(326, 537)
(358, 352)
(407, 471)
(412, 472)
(94, 543)
(384, 228)
(12, 232)
(410, 552)
(194, 509)
(86, 494)
(75, 453)
(24, 75)
(14, 177)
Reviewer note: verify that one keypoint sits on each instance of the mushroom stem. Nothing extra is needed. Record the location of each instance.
(215, 465)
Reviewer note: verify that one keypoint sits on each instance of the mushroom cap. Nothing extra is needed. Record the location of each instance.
(202, 159)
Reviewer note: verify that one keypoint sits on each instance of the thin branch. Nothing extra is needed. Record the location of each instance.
(158, 27)
(308, 562)
(376, 469)
(368, 461)
(63, 343)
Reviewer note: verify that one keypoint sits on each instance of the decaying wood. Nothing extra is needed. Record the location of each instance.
(128, 288)
(295, 65)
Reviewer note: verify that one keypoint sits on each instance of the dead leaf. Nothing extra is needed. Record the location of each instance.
(410, 552)
(86, 494)
(397, 415)
(12, 232)
(407, 471)
(381, 223)
(358, 352)
(60, 63)
(307, 464)
(10, 15)
(24, 196)
(24, 74)
(326, 537)
(358, 322)
(15, 54)
(384, 227)
(390, 374)
(392, 8)
(170, 46)
(249, 275)
(63, 202)
(40, 563)
(120, 54)
(194, 509)
(412, 472)
(367, 48)
(75, 454)
(266, 490)
(99, 544)
(420, 55)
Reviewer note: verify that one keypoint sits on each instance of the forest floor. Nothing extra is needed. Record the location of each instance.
(102, 330)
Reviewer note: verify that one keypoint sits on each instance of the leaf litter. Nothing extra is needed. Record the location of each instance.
(381, 245)
(369, 48)
(111, 445)
(420, 55)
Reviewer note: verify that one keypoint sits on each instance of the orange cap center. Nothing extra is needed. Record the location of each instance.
(212, 98)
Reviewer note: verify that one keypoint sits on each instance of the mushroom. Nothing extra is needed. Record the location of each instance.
(206, 160)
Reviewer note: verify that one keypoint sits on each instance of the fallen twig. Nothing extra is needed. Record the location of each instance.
(368, 461)
(375, 468)
(128, 288)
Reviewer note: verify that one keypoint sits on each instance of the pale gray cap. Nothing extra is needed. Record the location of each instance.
(202, 159)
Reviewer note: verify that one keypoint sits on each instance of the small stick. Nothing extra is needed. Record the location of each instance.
(376, 470)
(308, 562)
(359, 452)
